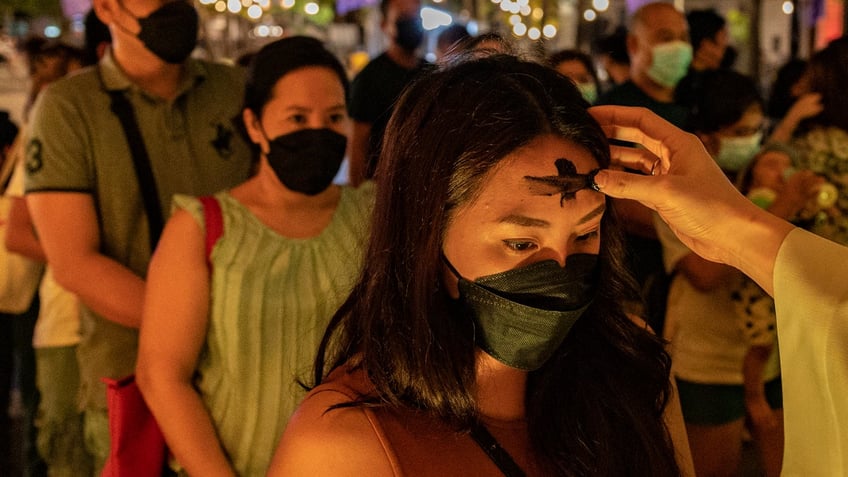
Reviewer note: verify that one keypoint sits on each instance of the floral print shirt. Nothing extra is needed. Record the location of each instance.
(824, 150)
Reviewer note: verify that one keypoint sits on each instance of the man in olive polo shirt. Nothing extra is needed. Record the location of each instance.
(82, 190)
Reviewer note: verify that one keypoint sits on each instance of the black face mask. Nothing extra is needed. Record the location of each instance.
(307, 160)
(522, 315)
(409, 33)
(170, 32)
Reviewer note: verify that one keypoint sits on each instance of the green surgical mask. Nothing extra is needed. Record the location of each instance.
(589, 91)
(670, 62)
(734, 153)
(522, 316)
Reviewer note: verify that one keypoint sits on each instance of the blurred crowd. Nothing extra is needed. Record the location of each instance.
(238, 237)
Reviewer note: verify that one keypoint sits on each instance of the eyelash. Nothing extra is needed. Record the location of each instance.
(521, 246)
(515, 245)
(587, 237)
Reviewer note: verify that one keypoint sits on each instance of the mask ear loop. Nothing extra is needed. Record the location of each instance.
(459, 277)
(451, 267)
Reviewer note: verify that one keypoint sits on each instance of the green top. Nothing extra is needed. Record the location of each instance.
(77, 144)
(271, 299)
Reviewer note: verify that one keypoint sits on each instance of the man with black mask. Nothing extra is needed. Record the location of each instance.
(379, 84)
(97, 207)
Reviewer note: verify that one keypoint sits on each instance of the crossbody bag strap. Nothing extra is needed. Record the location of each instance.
(493, 449)
(214, 220)
(141, 162)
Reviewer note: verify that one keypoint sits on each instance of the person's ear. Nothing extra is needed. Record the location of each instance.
(253, 126)
(632, 45)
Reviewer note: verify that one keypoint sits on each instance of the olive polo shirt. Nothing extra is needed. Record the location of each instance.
(77, 144)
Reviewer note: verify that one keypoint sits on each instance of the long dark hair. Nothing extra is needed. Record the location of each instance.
(828, 72)
(737, 92)
(596, 407)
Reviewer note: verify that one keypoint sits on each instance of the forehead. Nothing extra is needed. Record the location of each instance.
(662, 20)
(312, 83)
(507, 183)
(572, 68)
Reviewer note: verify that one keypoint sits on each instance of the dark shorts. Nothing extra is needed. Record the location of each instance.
(713, 404)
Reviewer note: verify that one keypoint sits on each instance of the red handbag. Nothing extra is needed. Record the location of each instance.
(137, 447)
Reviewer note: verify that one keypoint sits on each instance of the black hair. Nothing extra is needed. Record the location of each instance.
(473, 45)
(48, 61)
(280, 58)
(575, 55)
(719, 99)
(452, 36)
(781, 98)
(614, 45)
(96, 33)
(828, 73)
(704, 25)
(596, 407)
(8, 130)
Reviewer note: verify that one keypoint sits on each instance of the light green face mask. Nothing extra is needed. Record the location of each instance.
(589, 91)
(670, 62)
(734, 153)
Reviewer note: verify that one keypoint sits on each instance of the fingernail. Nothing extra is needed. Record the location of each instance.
(600, 180)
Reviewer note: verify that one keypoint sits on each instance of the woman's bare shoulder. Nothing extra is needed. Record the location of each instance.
(322, 439)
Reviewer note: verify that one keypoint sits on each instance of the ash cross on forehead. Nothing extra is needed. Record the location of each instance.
(566, 183)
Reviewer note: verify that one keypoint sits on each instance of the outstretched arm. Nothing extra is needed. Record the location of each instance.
(689, 192)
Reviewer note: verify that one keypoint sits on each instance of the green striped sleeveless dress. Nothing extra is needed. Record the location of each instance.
(271, 299)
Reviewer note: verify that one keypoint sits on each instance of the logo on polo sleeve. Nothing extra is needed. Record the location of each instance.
(33, 161)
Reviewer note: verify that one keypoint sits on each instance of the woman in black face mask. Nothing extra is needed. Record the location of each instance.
(486, 334)
(243, 283)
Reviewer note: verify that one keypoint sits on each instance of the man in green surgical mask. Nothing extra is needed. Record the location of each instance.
(660, 54)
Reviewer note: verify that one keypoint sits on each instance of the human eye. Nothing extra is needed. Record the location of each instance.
(520, 245)
(336, 118)
(594, 234)
(299, 119)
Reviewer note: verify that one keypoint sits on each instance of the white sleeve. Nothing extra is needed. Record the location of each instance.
(811, 299)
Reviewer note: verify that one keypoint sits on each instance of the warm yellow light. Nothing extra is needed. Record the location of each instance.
(538, 13)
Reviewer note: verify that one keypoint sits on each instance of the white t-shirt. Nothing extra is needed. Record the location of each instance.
(707, 345)
(58, 321)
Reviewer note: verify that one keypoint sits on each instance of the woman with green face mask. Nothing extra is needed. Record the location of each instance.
(578, 67)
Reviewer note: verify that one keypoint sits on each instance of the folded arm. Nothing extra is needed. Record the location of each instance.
(67, 227)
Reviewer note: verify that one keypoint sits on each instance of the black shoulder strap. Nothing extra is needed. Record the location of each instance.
(493, 449)
(150, 195)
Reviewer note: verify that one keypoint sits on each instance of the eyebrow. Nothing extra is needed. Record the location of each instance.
(591, 215)
(295, 107)
(525, 221)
